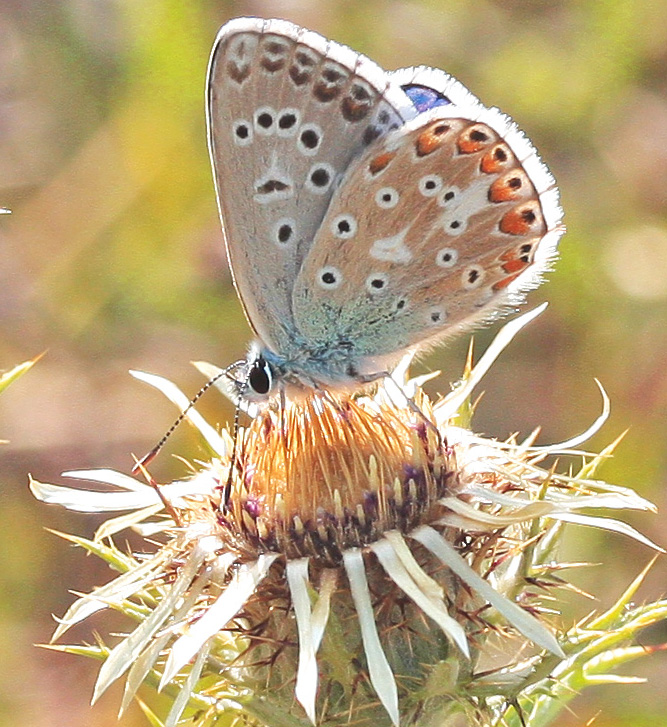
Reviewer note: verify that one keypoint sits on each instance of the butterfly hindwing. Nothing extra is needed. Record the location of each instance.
(438, 225)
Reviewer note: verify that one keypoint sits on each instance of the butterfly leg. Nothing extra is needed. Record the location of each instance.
(412, 405)
(232, 460)
(241, 385)
(283, 431)
(283, 407)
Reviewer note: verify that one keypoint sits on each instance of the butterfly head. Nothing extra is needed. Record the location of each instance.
(265, 376)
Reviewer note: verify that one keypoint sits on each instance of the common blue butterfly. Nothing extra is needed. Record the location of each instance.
(366, 213)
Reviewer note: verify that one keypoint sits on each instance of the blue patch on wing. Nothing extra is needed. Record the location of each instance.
(424, 98)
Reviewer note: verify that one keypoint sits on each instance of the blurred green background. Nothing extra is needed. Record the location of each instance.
(113, 259)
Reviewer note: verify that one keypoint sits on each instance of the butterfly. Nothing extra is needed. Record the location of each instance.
(366, 213)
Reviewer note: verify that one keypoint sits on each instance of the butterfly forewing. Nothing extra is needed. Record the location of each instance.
(287, 113)
(438, 225)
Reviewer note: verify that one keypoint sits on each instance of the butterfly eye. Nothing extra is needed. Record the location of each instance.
(240, 53)
(432, 138)
(332, 79)
(524, 252)
(496, 159)
(260, 377)
(384, 117)
(522, 220)
(303, 66)
(358, 102)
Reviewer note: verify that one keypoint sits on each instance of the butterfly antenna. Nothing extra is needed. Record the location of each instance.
(148, 458)
(232, 460)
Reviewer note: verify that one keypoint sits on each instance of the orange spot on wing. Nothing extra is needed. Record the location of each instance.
(512, 186)
(432, 138)
(505, 281)
(380, 162)
(521, 220)
(474, 139)
(515, 266)
(514, 261)
(496, 159)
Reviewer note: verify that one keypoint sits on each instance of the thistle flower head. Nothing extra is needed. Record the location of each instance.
(345, 560)
(327, 474)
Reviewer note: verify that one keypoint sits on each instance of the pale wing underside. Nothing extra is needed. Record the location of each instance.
(287, 112)
(437, 226)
